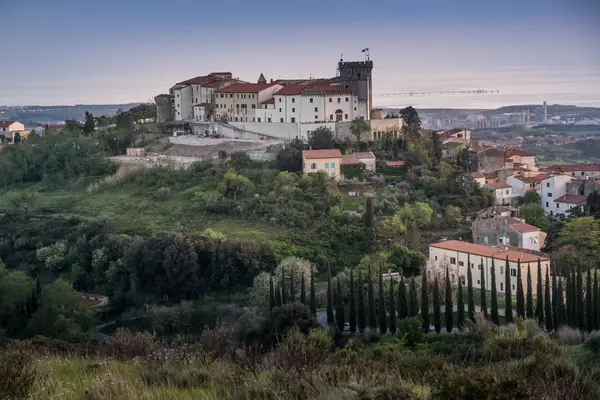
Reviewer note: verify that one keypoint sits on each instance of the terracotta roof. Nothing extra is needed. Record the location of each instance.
(571, 199)
(290, 90)
(500, 185)
(517, 152)
(313, 154)
(489, 175)
(477, 175)
(269, 101)
(355, 158)
(532, 179)
(575, 167)
(513, 253)
(221, 81)
(245, 88)
(394, 163)
(6, 124)
(524, 228)
(317, 89)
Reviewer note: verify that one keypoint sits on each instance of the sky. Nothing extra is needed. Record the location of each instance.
(103, 52)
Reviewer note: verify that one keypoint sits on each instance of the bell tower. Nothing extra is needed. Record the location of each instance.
(358, 77)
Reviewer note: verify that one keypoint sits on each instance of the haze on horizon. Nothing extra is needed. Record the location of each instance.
(73, 52)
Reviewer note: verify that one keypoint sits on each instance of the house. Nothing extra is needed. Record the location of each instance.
(457, 256)
(581, 171)
(583, 187)
(518, 156)
(522, 184)
(327, 161)
(552, 188)
(8, 129)
(456, 135)
(502, 193)
(568, 202)
(488, 159)
(366, 158)
(507, 231)
(382, 126)
(198, 90)
(479, 178)
(239, 102)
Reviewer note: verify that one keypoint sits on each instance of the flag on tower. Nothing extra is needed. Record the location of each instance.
(365, 50)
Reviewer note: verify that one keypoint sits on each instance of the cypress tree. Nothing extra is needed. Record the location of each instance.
(330, 315)
(371, 301)
(381, 309)
(596, 304)
(278, 302)
(494, 305)
(302, 290)
(529, 305)
(392, 311)
(589, 323)
(413, 303)
(483, 292)
(313, 296)
(470, 296)
(555, 305)
(560, 304)
(580, 303)
(352, 316)
(271, 293)
(508, 311)
(38, 287)
(570, 304)
(520, 294)
(292, 289)
(339, 311)
(424, 302)
(284, 298)
(448, 306)
(369, 213)
(539, 307)
(34, 301)
(548, 305)
(361, 315)
(437, 312)
(402, 300)
(460, 305)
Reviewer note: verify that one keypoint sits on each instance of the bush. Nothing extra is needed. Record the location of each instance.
(478, 384)
(17, 374)
(592, 342)
(174, 376)
(125, 344)
(162, 194)
(569, 336)
(410, 329)
(109, 386)
(289, 316)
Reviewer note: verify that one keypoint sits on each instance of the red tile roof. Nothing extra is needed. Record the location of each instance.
(524, 228)
(477, 175)
(245, 88)
(571, 199)
(290, 90)
(355, 158)
(314, 154)
(322, 89)
(516, 152)
(6, 124)
(269, 101)
(574, 167)
(394, 163)
(500, 185)
(513, 253)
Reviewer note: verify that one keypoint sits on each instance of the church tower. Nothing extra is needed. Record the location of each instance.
(262, 79)
(357, 76)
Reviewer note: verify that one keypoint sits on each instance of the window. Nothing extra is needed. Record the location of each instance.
(513, 287)
(485, 158)
(253, 105)
(280, 110)
(316, 117)
(331, 117)
(478, 282)
(293, 110)
(452, 260)
(311, 100)
(506, 192)
(330, 100)
(177, 94)
(513, 272)
(557, 205)
(501, 270)
(501, 286)
(485, 239)
(435, 258)
(268, 119)
(547, 205)
(492, 158)
(332, 174)
(354, 108)
(280, 99)
(280, 119)
(332, 165)
(460, 263)
(549, 194)
(316, 109)
(293, 100)
(313, 166)
(472, 265)
(345, 116)
(547, 184)
(292, 120)
(326, 165)
(258, 119)
(339, 100)
(346, 99)
(479, 267)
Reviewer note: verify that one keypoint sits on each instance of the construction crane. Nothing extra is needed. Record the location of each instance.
(439, 93)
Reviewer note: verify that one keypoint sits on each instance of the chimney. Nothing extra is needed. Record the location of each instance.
(271, 80)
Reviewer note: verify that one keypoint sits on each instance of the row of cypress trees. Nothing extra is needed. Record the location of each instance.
(554, 306)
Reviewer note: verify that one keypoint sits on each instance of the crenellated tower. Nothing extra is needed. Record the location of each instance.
(358, 77)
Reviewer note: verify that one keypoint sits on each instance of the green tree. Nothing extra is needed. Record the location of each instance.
(271, 293)
(292, 289)
(381, 313)
(413, 302)
(410, 116)
(596, 304)
(17, 138)
(339, 312)
(369, 213)
(448, 306)
(284, 299)
(555, 304)
(548, 304)
(362, 320)
(330, 315)
(395, 148)
(424, 302)
(359, 127)
(437, 311)
(392, 311)
(508, 310)
(371, 300)
(278, 302)
(560, 305)
(534, 214)
(532, 197)
(539, 308)
(494, 303)
(352, 316)
(470, 295)
(321, 138)
(436, 148)
(529, 303)
(460, 305)
(302, 290)
(402, 300)
(571, 315)
(589, 322)
(483, 292)
(520, 294)
(234, 185)
(89, 123)
(580, 299)
(313, 300)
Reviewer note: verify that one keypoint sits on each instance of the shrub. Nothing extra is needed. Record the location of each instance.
(478, 384)
(289, 316)
(162, 194)
(17, 374)
(125, 344)
(410, 329)
(178, 376)
(217, 341)
(592, 342)
(109, 386)
(569, 336)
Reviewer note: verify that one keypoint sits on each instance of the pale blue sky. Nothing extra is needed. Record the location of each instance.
(73, 51)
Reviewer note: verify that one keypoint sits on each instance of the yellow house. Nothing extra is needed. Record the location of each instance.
(327, 161)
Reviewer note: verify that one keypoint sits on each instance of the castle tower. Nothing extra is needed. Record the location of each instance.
(357, 76)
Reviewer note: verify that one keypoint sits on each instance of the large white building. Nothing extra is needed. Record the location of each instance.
(198, 92)
(552, 188)
(457, 256)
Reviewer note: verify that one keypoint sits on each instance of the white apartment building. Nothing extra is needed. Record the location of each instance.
(568, 202)
(502, 193)
(457, 256)
(551, 189)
